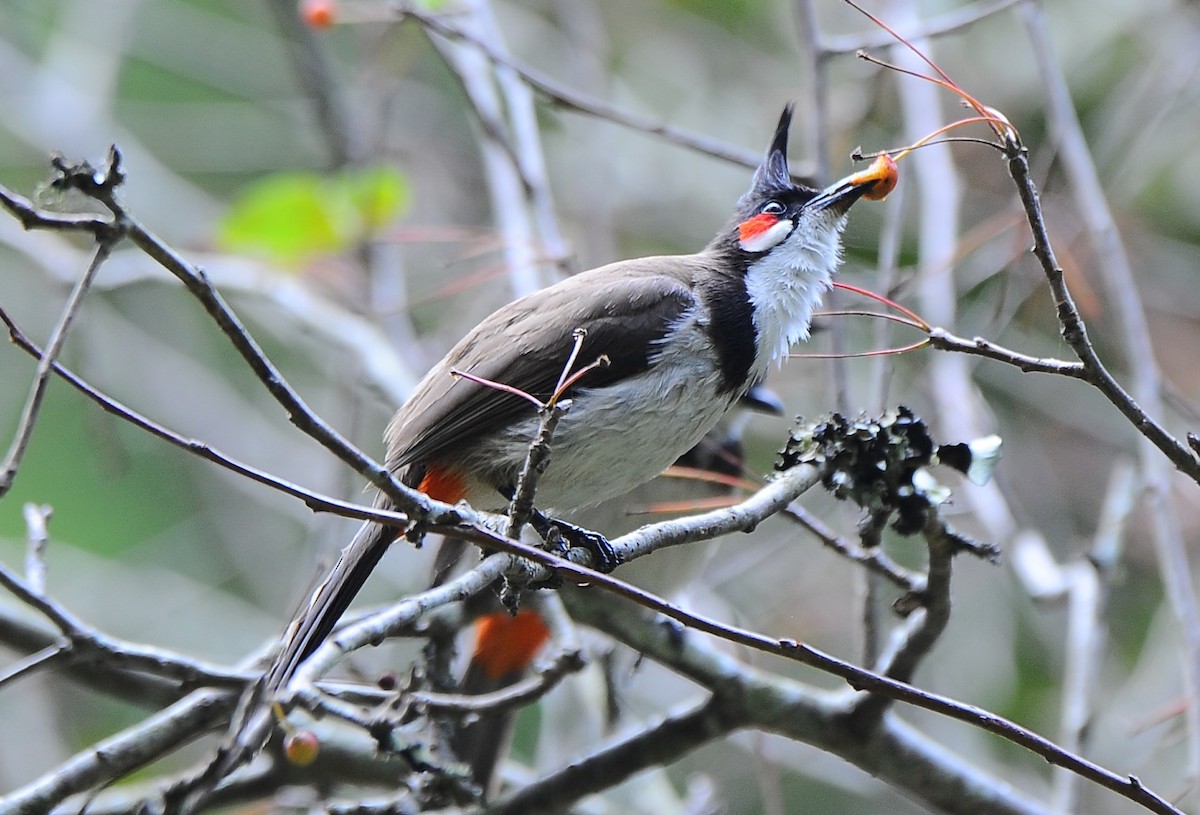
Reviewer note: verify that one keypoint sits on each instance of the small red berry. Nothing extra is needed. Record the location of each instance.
(319, 13)
(301, 747)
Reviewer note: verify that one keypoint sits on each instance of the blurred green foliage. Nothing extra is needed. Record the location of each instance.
(289, 218)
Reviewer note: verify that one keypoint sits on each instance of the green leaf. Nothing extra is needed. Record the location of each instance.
(291, 217)
(288, 217)
(378, 194)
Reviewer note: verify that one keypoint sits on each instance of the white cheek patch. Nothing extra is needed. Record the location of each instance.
(768, 238)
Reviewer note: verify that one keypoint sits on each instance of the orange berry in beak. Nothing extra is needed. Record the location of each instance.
(882, 176)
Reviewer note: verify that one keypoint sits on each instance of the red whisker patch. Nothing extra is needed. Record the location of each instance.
(753, 227)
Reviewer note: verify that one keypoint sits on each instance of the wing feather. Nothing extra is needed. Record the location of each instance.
(626, 309)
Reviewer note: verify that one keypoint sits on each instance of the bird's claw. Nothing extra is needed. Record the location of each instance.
(565, 536)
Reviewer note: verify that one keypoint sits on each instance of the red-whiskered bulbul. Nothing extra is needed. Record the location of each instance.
(685, 337)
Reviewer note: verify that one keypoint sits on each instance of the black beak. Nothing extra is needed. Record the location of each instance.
(874, 183)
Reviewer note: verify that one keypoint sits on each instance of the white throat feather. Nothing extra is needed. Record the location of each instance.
(786, 285)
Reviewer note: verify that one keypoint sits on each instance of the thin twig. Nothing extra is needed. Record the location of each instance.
(1133, 330)
(1172, 559)
(874, 560)
(943, 340)
(510, 697)
(415, 503)
(583, 103)
(913, 642)
(22, 631)
(96, 185)
(315, 501)
(123, 753)
(33, 662)
(36, 518)
(718, 671)
(577, 338)
(537, 459)
(340, 123)
(1088, 583)
(1074, 330)
(31, 216)
(950, 22)
(41, 377)
(85, 643)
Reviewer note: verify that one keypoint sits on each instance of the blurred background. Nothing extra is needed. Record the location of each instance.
(339, 190)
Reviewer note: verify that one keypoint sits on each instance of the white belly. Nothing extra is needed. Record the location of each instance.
(615, 438)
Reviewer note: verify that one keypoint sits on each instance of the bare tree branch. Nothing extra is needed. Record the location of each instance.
(860, 723)
(595, 107)
(120, 755)
(83, 643)
(796, 710)
(1132, 328)
(943, 340)
(41, 378)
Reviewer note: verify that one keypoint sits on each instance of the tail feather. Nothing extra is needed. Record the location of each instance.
(253, 722)
(330, 600)
(505, 647)
(355, 564)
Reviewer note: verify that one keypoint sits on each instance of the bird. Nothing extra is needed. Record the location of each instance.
(685, 337)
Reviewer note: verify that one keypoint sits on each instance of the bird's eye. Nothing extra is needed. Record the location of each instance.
(773, 208)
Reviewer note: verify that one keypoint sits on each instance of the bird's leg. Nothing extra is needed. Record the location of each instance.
(604, 557)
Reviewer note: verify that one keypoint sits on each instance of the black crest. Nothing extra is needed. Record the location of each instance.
(773, 175)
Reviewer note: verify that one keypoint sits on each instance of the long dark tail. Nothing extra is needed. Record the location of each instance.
(253, 721)
(329, 601)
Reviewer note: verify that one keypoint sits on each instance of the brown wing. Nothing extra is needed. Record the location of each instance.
(624, 307)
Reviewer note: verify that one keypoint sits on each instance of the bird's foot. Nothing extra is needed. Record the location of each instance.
(554, 530)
